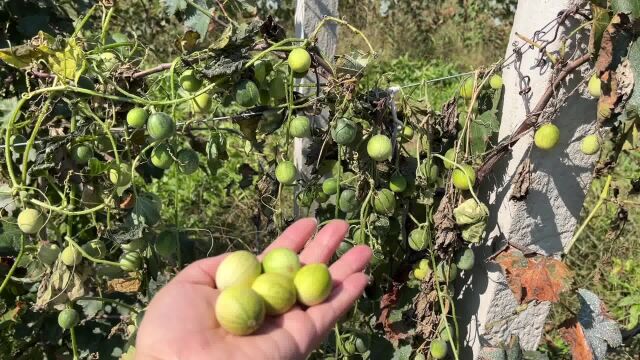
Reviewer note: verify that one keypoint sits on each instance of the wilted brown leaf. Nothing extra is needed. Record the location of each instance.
(450, 117)
(538, 278)
(129, 286)
(522, 180)
(572, 332)
(445, 225)
(387, 304)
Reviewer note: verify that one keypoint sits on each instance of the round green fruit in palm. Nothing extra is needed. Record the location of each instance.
(48, 253)
(299, 60)
(131, 261)
(166, 244)
(313, 284)
(240, 310)
(286, 172)
(277, 88)
(590, 144)
(68, 318)
(345, 132)
(466, 90)
(81, 153)
(495, 81)
(465, 259)
(459, 178)
(407, 134)
(595, 86)
(277, 291)
(188, 161)
(30, 221)
(137, 117)
(202, 103)
(547, 136)
(282, 261)
(238, 268)
(384, 202)
(348, 201)
(379, 148)
(161, 156)
(330, 186)
(300, 127)
(160, 126)
(438, 349)
(419, 238)
(247, 93)
(189, 81)
(70, 256)
(398, 183)
(95, 248)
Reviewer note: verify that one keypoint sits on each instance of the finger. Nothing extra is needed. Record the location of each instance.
(325, 243)
(295, 236)
(201, 272)
(355, 260)
(325, 315)
(295, 327)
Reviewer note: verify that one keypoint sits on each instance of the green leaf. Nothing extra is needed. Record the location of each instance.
(629, 300)
(9, 237)
(6, 109)
(97, 167)
(601, 20)
(148, 206)
(171, 7)
(402, 353)
(196, 20)
(472, 218)
(626, 6)
(482, 129)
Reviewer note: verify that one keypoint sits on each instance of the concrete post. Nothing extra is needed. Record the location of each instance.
(546, 219)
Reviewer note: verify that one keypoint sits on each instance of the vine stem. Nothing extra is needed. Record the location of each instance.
(105, 300)
(89, 257)
(83, 22)
(74, 343)
(324, 21)
(105, 25)
(603, 195)
(66, 212)
(14, 266)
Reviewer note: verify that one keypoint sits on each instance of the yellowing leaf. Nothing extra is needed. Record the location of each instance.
(68, 63)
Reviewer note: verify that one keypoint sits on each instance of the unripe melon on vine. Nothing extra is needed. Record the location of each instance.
(306, 197)
(451, 156)
(68, 318)
(81, 153)
(466, 90)
(398, 183)
(348, 201)
(286, 172)
(95, 248)
(594, 86)
(321, 197)
(379, 148)
(247, 94)
(446, 273)
(135, 244)
(419, 238)
(108, 61)
(70, 256)
(384, 202)
(313, 284)
(188, 161)
(590, 144)
(131, 261)
(345, 132)
(460, 180)
(495, 81)
(429, 170)
(330, 186)
(277, 291)
(30, 221)
(202, 103)
(238, 268)
(547, 136)
(420, 274)
(282, 261)
(277, 88)
(407, 133)
(120, 176)
(48, 253)
(166, 244)
(189, 81)
(261, 69)
(240, 310)
(299, 60)
(160, 126)
(359, 235)
(137, 117)
(465, 259)
(300, 127)
(438, 349)
(18, 143)
(161, 156)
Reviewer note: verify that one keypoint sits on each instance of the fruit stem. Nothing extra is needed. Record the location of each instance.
(274, 47)
(83, 22)
(14, 266)
(89, 257)
(603, 195)
(64, 211)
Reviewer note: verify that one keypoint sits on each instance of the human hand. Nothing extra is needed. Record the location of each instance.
(180, 322)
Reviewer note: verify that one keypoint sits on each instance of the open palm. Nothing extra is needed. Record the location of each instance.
(180, 321)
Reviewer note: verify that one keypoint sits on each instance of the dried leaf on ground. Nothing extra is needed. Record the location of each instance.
(537, 278)
(522, 180)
